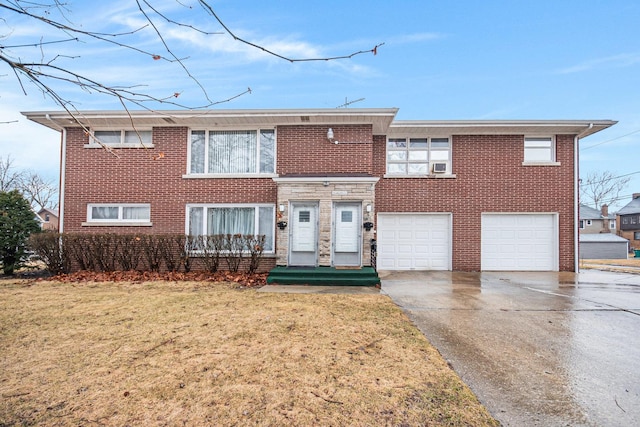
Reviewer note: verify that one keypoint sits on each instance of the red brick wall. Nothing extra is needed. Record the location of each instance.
(96, 176)
(306, 150)
(489, 178)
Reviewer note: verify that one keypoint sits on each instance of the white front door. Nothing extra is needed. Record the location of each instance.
(347, 234)
(303, 234)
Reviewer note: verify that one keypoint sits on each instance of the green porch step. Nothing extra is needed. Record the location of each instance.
(323, 276)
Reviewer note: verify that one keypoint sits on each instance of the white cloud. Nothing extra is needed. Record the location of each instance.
(616, 61)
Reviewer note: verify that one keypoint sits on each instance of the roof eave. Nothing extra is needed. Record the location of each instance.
(582, 128)
(379, 118)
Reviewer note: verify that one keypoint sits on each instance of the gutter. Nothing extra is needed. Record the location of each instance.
(576, 197)
(63, 163)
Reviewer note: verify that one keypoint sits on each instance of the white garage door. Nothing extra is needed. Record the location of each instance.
(519, 242)
(414, 242)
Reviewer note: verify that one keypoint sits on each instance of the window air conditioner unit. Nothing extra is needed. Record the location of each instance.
(439, 167)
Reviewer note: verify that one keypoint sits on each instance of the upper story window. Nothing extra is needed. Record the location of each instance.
(118, 214)
(612, 224)
(232, 152)
(539, 150)
(121, 138)
(418, 156)
(582, 224)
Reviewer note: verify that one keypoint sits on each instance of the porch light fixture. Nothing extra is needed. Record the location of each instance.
(330, 136)
(281, 208)
(368, 208)
(282, 225)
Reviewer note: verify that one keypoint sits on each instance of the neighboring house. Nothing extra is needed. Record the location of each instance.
(629, 221)
(593, 221)
(603, 246)
(48, 219)
(322, 184)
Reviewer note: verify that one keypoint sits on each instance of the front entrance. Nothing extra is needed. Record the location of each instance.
(347, 234)
(303, 234)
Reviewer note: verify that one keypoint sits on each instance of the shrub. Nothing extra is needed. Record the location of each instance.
(107, 252)
(17, 222)
(48, 247)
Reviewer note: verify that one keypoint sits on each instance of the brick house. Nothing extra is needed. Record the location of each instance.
(629, 221)
(324, 184)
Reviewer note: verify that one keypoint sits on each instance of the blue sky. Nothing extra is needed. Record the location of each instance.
(440, 60)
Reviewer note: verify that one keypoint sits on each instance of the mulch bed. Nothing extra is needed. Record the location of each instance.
(243, 279)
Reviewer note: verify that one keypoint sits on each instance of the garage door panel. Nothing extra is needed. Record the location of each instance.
(414, 241)
(519, 242)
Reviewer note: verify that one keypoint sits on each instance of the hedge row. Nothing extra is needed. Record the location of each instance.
(63, 253)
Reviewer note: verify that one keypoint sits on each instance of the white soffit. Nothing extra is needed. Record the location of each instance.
(379, 118)
(403, 128)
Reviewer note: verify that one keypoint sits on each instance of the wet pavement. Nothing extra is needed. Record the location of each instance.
(538, 349)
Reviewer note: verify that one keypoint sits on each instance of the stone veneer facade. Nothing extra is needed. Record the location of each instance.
(325, 191)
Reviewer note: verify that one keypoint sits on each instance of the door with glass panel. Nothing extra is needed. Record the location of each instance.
(347, 234)
(303, 234)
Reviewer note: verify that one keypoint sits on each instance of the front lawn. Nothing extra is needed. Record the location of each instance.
(198, 353)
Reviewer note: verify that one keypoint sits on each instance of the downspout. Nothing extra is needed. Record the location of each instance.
(576, 196)
(63, 162)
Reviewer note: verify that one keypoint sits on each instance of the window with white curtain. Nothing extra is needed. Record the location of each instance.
(232, 152)
(122, 138)
(126, 213)
(236, 219)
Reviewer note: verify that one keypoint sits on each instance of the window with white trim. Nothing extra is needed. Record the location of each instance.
(582, 224)
(612, 224)
(232, 152)
(418, 156)
(539, 150)
(122, 138)
(124, 213)
(232, 219)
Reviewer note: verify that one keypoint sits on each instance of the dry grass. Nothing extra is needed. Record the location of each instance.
(630, 262)
(195, 353)
(629, 265)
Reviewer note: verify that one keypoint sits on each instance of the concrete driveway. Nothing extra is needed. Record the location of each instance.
(538, 349)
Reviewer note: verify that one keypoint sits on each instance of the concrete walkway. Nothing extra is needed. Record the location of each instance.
(538, 349)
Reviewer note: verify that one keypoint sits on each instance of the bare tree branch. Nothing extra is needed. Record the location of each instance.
(209, 9)
(51, 76)
(600, 188)
(10, 179)
(38, 192)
